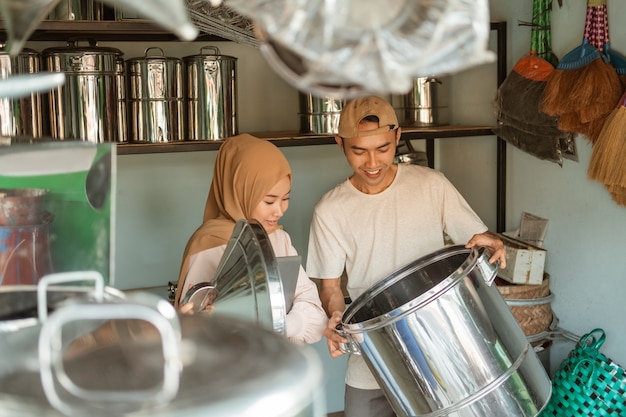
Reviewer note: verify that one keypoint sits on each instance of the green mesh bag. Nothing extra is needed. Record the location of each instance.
(588, 383)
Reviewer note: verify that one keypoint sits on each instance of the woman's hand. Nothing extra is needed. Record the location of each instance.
(492, 242)
(188, 308)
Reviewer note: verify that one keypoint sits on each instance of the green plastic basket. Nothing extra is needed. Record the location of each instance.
(588, 383)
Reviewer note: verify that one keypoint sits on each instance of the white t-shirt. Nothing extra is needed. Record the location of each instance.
(305, 322)
(373, 235)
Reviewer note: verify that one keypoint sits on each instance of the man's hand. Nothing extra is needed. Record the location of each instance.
(493, 243)
(334, 339)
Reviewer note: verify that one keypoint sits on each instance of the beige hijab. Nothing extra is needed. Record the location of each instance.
(246, 169)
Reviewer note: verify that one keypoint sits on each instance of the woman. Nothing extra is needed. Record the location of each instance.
(251, 180)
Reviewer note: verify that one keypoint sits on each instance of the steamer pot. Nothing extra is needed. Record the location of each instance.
(85, 108)
(155, 97)
(441, 341)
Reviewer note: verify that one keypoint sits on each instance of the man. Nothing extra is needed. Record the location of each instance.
(383, 217)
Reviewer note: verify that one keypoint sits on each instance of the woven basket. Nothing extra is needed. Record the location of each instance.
(530, 304)
(588, 383)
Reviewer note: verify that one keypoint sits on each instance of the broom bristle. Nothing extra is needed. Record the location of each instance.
(618, 194)
(596, 79)
(569, 122)
(555, 94)
(608, 148)
(592, 129)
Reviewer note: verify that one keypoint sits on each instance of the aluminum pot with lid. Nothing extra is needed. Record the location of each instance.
(155, 97)
(23, 116)
(85, 108)
(211, 95)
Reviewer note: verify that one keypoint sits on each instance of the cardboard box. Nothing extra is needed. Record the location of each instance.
(524, 262)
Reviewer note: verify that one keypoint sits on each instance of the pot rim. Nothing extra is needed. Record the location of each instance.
(474, 257)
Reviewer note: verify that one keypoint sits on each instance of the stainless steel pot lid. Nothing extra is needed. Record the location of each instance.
(247, 282)
(227, 367)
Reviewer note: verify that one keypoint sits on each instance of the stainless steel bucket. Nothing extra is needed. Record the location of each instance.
(211, 95)
(426, 104)
(441, 341)
(319, 115)
(24, 116)
(155, 97)
(85, 108)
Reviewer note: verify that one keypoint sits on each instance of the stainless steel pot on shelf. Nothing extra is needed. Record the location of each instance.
(25, 116)
(210, 95)
(85, 108)
(155, 97)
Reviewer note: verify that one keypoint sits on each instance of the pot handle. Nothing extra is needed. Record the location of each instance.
(488, 271)
(63, 278)
(162, 316)
(351, 346)
(214, 49)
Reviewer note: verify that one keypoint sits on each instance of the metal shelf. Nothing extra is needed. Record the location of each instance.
(104, 30)
(293, 138)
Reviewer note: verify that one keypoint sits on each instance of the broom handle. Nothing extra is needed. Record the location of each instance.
(595, 23)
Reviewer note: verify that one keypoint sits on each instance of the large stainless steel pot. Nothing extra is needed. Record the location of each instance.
(441, 341)
(85, 108)
(155, 97)
(23, 116)
(211, 95)
(148, 361)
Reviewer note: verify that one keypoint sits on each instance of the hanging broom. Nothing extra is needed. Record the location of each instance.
(584, 88)
(609, 154)
(521, 121)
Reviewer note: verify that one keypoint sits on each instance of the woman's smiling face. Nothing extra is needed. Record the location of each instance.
(273, 205)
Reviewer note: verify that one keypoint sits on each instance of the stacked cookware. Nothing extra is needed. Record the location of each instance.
(148, 99)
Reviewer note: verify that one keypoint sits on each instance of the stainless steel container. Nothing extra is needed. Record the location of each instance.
(426, 104)
(24, 116)
(211, 95)
(85, 108)
(441, 341)
(122, 114)
(155, 97)
(319, 115)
